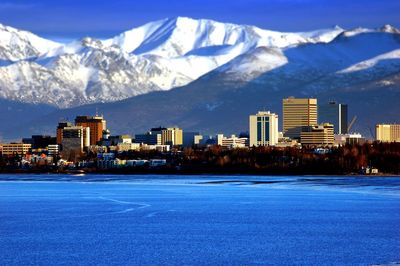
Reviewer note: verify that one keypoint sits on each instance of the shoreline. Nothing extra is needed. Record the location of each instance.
(178, 173)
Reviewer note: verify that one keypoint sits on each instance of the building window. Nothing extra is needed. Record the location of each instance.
(259, 131)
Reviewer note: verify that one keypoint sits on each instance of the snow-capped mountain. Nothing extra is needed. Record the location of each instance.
(170, 53)
(157, 56)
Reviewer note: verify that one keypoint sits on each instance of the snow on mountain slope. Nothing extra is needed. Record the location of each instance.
(19, 45)
(169, 53)
(250, 65)
(178, 36)
(369, 63)
(324, 35)
(207, 44)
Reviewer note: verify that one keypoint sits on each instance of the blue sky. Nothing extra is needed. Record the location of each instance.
(59, 19)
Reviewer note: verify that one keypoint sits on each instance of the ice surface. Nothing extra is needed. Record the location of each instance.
(227, 220)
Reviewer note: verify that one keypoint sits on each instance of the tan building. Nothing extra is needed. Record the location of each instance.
(318, 135)
(388, 132)
(125, 146)
(96, 124)
(172, 136)
(11, 149)
(169, 136)
(263, 129)
(298, 113)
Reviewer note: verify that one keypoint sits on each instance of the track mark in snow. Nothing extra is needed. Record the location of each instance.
(156, 213)
(141, 205)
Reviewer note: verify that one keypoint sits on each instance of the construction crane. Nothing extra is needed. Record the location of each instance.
(371, 132)
(351, 123)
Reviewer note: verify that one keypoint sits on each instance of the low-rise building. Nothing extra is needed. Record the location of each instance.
(352, 139)
(136, 163)
(231, 142)
(149, 138)
(111, 164)
(157, 163)
(10, 149)
(285, 142)
(160, 148)
(318, 135)
(106, 156)
(388, 132)
(40, 141)
(53, 150)
(122, 147)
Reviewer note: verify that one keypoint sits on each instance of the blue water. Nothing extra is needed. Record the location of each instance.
(169, 220)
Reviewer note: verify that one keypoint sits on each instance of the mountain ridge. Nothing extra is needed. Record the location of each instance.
(157, 56)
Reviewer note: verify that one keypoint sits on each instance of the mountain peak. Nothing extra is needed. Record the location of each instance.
(91, 42)
(18, 44)
(337, 27)
(389, 29)
(9, 28)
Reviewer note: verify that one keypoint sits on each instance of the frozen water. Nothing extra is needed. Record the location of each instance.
(225, 220)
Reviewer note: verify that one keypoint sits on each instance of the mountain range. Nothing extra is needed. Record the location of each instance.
(201, 75)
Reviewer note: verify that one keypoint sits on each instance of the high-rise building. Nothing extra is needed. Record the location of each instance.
(318, 135)
(263, 129)
(96, 124)
(334, 113)
(388, 132)
(74, 140)
(60, 128)
(297, 114)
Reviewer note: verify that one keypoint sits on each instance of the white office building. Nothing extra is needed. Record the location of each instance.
(263, 129)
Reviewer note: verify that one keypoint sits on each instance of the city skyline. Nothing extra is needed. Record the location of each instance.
(300, 115)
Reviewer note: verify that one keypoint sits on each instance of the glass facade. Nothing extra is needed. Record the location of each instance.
(263, 132)
(259, 131)
(335, 114)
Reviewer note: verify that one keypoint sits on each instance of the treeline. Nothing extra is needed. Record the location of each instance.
(348, 159)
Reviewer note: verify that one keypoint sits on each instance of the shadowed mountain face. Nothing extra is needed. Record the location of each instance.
(360, 68)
